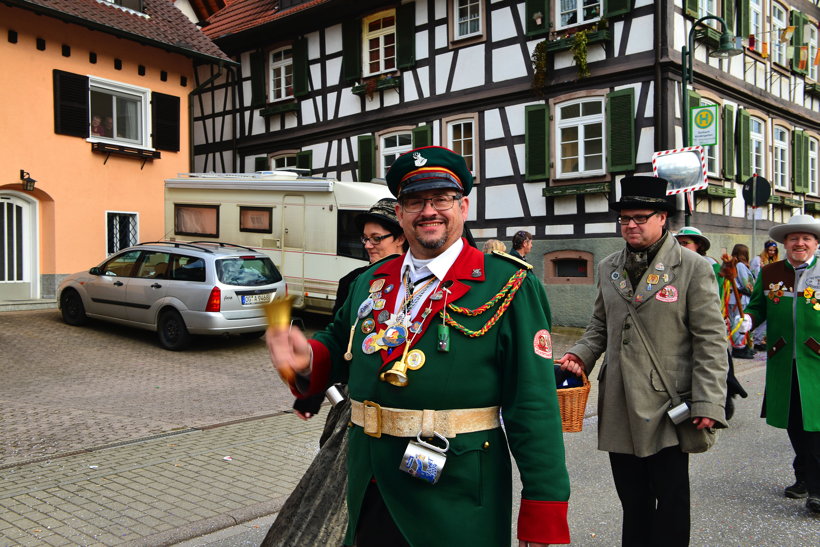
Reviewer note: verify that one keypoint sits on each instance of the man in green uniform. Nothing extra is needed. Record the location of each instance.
(787, 296)
(432, 345)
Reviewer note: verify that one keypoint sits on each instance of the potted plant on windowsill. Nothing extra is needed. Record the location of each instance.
(369, 86)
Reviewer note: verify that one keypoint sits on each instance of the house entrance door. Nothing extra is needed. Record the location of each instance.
(18, 253)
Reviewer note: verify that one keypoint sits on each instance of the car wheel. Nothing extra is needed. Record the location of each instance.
(252, 335)
(72, 309)
(173, 334)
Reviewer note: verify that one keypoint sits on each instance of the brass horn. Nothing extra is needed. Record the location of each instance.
(397, 375)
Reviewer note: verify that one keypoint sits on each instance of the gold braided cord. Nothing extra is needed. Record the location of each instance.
(509, 289)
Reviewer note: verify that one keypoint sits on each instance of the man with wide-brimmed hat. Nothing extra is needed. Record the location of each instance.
(433, 345)
(657, 317)
(787, 296)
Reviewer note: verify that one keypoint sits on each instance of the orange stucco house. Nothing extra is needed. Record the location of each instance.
(94, 108)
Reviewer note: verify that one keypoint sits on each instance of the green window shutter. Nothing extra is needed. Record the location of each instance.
(799, 160)
(728, 11)
(620, 128)
(744, 147)
(258, 79)
(805, 162)
(261, 163)
(165, 121)
(692, 8)
(304, 160)
(406, 35)
(300, 68)
(367, 158)
(617, 7)
(729, 158)
(743, 18)
(798, 20)
(536, 142)
(71, 104)
(352, 49)
(531, 8)
(423, 136)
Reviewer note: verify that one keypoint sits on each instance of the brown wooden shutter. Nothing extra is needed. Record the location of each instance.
(70, 104)
(165, 121)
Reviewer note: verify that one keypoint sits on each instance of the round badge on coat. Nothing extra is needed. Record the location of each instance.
(542, 344)
(377, 285)
(415, 359)
(365, 308)
(369, 344)
(368, 325)
(394, 336)
(379, 304)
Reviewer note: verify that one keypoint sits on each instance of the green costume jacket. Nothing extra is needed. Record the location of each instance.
(792, 336)
(509, 366)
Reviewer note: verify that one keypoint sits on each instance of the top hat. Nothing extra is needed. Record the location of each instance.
(695, 234)
(429, 168)
(644, 193)
(806, 224)
(382, 212)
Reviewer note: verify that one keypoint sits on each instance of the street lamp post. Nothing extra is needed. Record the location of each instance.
(727, 48)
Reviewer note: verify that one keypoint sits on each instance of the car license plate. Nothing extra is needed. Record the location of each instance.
(256, 298)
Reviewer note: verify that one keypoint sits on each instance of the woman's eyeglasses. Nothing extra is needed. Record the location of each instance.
(375, 240)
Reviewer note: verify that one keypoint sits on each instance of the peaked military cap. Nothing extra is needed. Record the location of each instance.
(429, 168)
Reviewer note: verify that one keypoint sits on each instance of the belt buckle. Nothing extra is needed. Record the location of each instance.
(371, 404)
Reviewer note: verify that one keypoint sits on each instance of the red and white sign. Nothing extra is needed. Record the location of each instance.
(683, 168)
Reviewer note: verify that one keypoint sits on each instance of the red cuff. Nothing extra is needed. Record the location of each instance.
(320, 371)
(543, 521)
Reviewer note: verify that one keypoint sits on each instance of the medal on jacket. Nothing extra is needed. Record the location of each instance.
(364, 310)
(424, 460)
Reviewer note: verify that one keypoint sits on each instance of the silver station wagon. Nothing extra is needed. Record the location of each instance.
(176, 289)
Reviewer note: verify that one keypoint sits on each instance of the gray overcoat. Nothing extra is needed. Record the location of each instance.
(681, 314)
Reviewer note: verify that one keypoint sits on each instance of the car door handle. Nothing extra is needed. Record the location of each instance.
(118, 283)
(156, 286)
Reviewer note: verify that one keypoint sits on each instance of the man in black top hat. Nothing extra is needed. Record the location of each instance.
(654, 297)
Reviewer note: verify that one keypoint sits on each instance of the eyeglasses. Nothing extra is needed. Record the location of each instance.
(637, 219)
(375, 240)
(441, 202)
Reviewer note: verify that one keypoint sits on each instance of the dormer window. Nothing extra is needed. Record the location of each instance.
(137, 6)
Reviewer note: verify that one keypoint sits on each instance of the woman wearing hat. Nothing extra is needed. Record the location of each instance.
(321, 490)
(787, 294)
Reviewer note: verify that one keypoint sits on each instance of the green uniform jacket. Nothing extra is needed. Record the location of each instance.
(792, 336)
(681, 315)
(510, 366)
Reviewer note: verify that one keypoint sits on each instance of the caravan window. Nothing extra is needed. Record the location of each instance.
(348, 239)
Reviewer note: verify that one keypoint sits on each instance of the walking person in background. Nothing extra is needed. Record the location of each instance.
(522, 244)
(654, 298)
(741, 346)
(769, 255)
(787, 296)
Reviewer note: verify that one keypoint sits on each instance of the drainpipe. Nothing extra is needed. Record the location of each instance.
(193, 92)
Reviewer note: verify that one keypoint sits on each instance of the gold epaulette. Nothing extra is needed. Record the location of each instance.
(517, 261)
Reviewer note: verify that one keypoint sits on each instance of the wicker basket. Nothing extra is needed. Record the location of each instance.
(573, 403)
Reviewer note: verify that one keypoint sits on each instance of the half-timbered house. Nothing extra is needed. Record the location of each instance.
(550, 101)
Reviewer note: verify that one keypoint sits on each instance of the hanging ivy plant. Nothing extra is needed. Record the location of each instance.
(539, 65)
(580, 42)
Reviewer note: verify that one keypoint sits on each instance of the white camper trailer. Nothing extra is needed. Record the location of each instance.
(305, 224)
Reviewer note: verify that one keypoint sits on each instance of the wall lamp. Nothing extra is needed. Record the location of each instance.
(28, 182)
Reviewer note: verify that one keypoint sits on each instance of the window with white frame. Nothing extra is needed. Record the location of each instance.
(281, 74)
(283, 161)
(467, 17)
(461, 140)
(580, 138)
(394, 145)
(758, 146)
(708, 7)
(712, 152)
(571, 13)
(780, 158)
(779, 24)
(756, 21)
(814, 167)
(379, 42)
(119, 112)
(811, 36)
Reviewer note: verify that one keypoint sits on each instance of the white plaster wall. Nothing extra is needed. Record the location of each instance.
(515, 118)
(503, 26)
(319, 151)
(482, 233)
(276, 123)
(390, 97)
(258, 122)
(559, 230)
(642, 3)
(519, 156)
(333, 39)
(646, 145)
(421, 44)
(291, 121)
(508, 63)
(510, 230)
(492, 125)
(596, 203)
(497, 163)
(313, 45)
(349, 105)
(563, 59)
(565, 205)
(599, 228)
(441, 36)
(470, 68)
(334, 71)
(502, 202)
(443, 63)
(642, 36)
(535, 198)
(308, 112)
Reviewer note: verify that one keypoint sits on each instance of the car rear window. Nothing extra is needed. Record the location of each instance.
(247, 270)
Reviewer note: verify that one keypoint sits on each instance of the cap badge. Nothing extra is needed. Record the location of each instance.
(420, 161)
